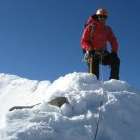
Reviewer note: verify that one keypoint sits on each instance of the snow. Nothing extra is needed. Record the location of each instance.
(119, 111)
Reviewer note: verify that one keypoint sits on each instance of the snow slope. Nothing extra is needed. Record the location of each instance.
(119, 112)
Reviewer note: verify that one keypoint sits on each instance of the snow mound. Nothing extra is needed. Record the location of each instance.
(115, 101)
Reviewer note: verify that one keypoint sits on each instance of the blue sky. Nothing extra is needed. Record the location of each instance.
(40, 39)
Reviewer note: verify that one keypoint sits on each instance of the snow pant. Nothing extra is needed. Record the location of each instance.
(105, 58)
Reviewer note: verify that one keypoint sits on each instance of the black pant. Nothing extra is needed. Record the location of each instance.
(105, 58)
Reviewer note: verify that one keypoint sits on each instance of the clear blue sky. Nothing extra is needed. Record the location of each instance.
(40, 39)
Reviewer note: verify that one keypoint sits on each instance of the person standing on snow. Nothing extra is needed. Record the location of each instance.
(94, 40)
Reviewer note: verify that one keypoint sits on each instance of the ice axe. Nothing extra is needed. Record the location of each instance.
(91, 65)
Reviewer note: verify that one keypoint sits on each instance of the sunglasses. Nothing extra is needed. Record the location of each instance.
(102, 17)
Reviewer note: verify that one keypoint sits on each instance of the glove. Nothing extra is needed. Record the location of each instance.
(84, 51)
(114, 55)
(87, 56)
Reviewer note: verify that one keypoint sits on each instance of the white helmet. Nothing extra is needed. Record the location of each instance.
(102, 12)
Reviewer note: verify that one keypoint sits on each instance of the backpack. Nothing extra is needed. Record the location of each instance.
(90, 20)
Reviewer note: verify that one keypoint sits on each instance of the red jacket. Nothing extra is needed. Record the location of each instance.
(96, 35)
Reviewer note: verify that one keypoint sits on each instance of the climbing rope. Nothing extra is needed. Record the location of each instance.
(101, 102)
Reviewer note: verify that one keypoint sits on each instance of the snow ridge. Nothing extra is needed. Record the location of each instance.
(119, 112)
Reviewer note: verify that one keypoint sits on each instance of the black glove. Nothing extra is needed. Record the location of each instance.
(114, 55)
(84, 51)
(88, 55)
(90, 52)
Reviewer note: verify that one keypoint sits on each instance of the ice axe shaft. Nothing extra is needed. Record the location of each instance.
(90, 65)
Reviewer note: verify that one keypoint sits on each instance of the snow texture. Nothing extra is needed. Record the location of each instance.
(119, 111)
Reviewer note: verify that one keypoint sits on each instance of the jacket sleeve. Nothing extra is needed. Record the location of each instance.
(113, 40)
(85, 40)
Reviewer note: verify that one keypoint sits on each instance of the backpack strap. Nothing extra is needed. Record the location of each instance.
(92, 28)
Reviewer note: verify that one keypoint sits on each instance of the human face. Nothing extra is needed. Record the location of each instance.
(102, 18)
